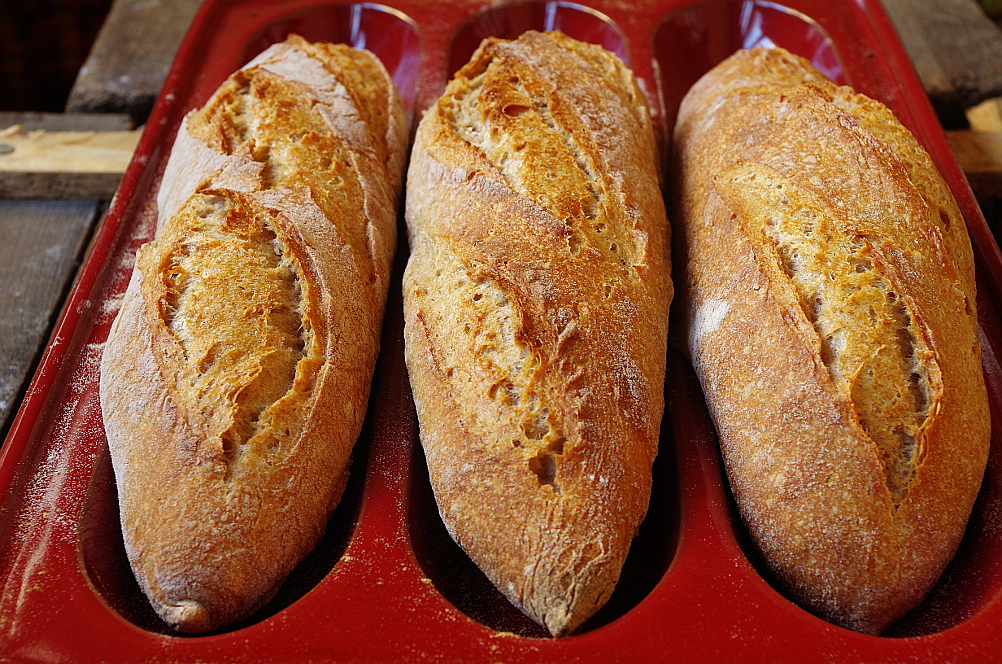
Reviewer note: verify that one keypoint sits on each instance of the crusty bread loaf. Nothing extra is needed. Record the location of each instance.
(236, 376)
(536, 300)
(829, 299)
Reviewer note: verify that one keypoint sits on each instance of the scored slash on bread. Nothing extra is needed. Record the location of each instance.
(536, 299)
(829, 301)
(236, 376)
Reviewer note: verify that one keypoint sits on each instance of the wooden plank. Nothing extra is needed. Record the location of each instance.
(36, 120)
(90, 164)
(41, 242)
(130, 59)
(980, 156)
(986, 116)
(956, 49)
(52, 151)
(63, 164)
(40, 245)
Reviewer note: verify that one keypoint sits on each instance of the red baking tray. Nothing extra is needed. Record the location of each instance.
(387, 583)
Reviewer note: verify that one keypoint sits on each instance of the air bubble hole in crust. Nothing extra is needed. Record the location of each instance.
(544, 466)
(574, 241)
(515, 110)
(944, 218)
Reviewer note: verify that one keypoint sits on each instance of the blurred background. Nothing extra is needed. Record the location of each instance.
(43, 44)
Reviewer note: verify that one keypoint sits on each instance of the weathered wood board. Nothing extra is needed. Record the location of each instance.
(63, 164)
(956, 49)
(130, 59)
(41, 243)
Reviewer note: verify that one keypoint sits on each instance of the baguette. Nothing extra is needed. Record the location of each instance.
(829, 305)
(236, 375)
(535, 300)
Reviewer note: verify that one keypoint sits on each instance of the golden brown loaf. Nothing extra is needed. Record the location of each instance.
(536, 300)
(236, 376)
(830, 308)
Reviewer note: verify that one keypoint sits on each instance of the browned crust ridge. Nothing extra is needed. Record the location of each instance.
(236, 376)
(536, 300)
(829, 302)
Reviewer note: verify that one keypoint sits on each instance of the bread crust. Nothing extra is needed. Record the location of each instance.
(236, 375)
(536, 300)
(829, 304)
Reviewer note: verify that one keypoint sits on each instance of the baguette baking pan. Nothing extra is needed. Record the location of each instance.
(387, 583)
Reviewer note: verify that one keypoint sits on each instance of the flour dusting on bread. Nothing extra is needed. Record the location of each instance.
(845, 380)
(536, 299)
(236, 376)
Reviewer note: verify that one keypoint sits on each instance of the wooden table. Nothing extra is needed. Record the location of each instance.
(956, 49)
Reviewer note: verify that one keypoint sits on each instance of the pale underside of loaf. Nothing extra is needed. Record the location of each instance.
(235, 379)
(830, 308)
(536, 300)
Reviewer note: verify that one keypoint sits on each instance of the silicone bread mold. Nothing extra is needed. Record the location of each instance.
(387, 583)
